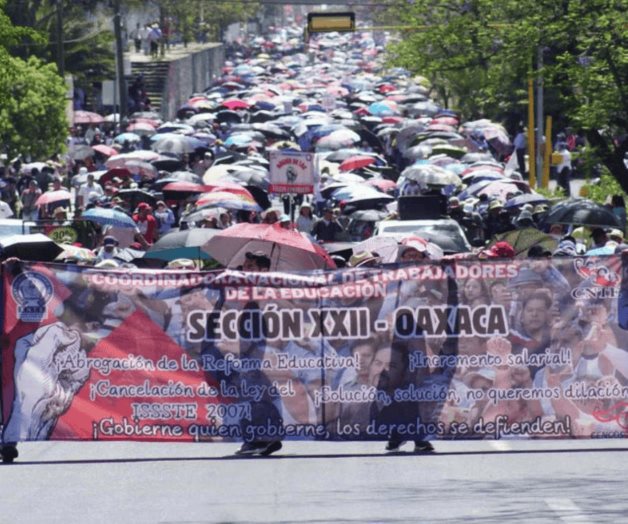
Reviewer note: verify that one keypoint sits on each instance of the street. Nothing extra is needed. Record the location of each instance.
(503, 481)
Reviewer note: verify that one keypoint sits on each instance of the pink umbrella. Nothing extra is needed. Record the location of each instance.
(105, 150)
(142, 128)
(382, 184)
(87, 117)
(288, 250)
(499, 189)
(356, 162)
(53, 196)
(235, 103)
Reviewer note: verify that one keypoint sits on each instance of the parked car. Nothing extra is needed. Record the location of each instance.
(443, 232)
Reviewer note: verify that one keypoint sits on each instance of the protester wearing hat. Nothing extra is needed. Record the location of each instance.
(524, 220)
(284, 222)
(497, 220)
(165, 217)
(566, 248)
(500, 249)
(305, 220)
(365, 259)
(412, 252)
(146, 222)
(109, 249)
(270, 216)
(182, 264)
(28, 197)
(454, 209)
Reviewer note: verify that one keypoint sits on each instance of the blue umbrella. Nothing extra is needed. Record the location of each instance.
(127, 137)
(381, 109)
(110, 217)
(520, 200)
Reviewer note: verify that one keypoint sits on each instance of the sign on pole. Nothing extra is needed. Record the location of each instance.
(292, 172)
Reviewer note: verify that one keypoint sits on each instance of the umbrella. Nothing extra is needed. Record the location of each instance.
(119, 172)
(139, 167)
(177, 144)
(523, 239)
(581, 212)
(369, 215)
(383, 184)
(108, 216)
(499, 189)
(235, 103)
(288, 250)
(87, 117)
(142, 129)
(82, 254)
(386, 247)
(182, 244)
(135, 196)
(167, 163)
(427, 175)
(139, 155)
(131, 138)
(203, 214)
(529, 198)
(185, 187)
(81, 152)
(50, 197)
(229, 200)
(105, 150)
(30, 247)
(357, 162)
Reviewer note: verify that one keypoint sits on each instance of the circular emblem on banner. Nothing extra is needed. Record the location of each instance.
(31, 292)
(63, 235)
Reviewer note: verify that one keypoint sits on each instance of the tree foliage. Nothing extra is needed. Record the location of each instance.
(32, 98)
(479, 55)
(32, 111)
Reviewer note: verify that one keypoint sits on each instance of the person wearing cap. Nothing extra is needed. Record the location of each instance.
(108, 251)
(284, 222)
(146, 222)
(305, 220)
(86, 190)
(327, 228)
(412, 252)
(165, 217)
(500, 249)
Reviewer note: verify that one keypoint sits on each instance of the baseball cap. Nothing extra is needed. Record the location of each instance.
(110, 241)
(499, 250)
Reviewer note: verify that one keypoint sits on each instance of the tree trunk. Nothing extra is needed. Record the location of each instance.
(612, 155)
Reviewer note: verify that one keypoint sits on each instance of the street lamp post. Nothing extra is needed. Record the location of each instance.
(121, 83)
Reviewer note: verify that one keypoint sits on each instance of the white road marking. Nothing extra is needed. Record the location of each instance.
(567, 510)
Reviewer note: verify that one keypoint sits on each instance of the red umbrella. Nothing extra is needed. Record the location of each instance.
(288, 250)
(87, 117)
(119, 172)
(235, 103)
(356, 162)
(53, 196)
(105, 150)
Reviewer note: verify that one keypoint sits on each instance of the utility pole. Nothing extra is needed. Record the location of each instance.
(539, 112)
(59, 35)
(117, 28)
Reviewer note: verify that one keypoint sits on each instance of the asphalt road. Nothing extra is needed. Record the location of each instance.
(315, 482)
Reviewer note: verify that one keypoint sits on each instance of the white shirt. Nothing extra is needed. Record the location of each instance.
(5, 210)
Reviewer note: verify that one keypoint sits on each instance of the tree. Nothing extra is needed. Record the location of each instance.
(479, 55)
(32, 99)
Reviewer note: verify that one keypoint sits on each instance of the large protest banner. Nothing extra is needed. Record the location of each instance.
(451, 350)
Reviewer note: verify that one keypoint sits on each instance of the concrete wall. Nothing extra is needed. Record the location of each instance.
(191, 74)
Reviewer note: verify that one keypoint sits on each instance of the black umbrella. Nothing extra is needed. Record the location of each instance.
(228, 116)
(260, 196)
(229, 157)
(581, 212)
(30, 247)
(136, 196)
(167, 163)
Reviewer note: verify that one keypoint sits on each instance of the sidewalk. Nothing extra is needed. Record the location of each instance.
(174, 53)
